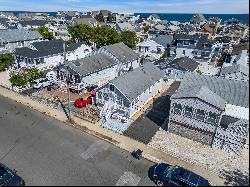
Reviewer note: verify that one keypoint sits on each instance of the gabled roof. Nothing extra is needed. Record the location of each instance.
(88, 21)
(234, 92)
(14, 35)
(91, 64)
(164, 40)
(3, 21)
(235, 68)
(125, 26)
(45, 48)
(186, 37)
(34, 23)
(134, 83)
(186, 63)
(202, 93)
(122, 52)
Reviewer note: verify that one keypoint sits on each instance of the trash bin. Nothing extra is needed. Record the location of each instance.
(137, 154)
(49, 88)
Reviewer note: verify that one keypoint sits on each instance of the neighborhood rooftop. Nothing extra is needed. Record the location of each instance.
(136, 82)
(232, 91)
(15, 35)
(122, 52)
(91, 64)
(185, 63)
(45, 48)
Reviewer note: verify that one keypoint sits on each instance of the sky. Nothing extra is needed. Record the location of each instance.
(130, 6)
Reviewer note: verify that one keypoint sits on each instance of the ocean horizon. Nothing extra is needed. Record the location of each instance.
(181, 17)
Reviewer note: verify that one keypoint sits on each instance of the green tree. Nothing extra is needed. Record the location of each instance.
(81, 33)
(44, 31)
(99, 18)
(34, 74)
(164, 55)
(129, 38)
(18, 80)
(6, 61)
(104, 35)
(146, 28)
(199, 71)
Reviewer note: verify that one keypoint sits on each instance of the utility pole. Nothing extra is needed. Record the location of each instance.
(65, 60)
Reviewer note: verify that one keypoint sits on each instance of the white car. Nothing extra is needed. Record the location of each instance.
(77, 87)
(41, 83)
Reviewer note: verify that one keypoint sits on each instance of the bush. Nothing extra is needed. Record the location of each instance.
(34, 74)
(18, 80)
(6, 61)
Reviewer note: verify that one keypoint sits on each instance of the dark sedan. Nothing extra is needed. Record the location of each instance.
(167, 175)
(9, 177)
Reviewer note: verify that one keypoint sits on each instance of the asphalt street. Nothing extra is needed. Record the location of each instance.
(47, 152)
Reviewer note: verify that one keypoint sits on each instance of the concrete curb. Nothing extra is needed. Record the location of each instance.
(118, 140)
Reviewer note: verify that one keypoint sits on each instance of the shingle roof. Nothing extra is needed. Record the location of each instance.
(34, 23)
(88, 21)
(14, 35)
(186, 37)
(133, 84)
(122, 52)
(91, 64)
(235, 69)
(187, 63)
(234, 92)
(164, 40)
(204, 94)
(45, 48)
(3, 21)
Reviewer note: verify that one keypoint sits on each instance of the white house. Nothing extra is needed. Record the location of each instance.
(46, 55)
(129, 92)
(11, 39)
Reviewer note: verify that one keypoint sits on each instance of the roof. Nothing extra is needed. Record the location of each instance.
(187, 63)
(164, 40)
(45, 48)
(88, 21)
(122, 52)
(186, 37)
(3, 21)
(235, 68)
(204, 94)
(234, 92)
(14, 35)
(91, 64)
(125, 26)
(237, 49)
(34, 23)
(203, 39)
(134, 83)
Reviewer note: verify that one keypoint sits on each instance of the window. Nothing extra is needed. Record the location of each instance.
(183, 52)
(111, 87)
(177, 108)
(212, 118)
(200, 114)
(186, 42)
(119, 101)
(100, 95)
(105, 96)
(188, 111)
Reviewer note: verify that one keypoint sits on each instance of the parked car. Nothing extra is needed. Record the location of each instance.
(76, 87)
(41, 83)
(82, 102)
(167, 175)
(9, 177)
(91, 88)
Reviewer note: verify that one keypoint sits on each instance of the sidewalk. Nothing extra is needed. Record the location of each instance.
(114, 138)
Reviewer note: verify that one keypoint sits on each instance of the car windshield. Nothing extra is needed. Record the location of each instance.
(174, 171)
(4, 175)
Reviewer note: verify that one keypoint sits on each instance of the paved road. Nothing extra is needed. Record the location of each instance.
(47, 152)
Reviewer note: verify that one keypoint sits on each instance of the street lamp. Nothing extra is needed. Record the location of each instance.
(68, 80)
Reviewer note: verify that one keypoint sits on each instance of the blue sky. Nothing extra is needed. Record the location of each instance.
(159, 6)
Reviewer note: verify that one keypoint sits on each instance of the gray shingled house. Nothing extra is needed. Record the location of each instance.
(96, 69)
(211, 110)
(176, 69)
(125, 57)
(129, 92)
(11, 39)
(236, 71)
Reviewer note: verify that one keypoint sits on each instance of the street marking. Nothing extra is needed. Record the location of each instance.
(94, 149)
(128, 179)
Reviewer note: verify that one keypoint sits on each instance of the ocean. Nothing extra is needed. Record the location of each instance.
(180, 17)
(186, 17)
